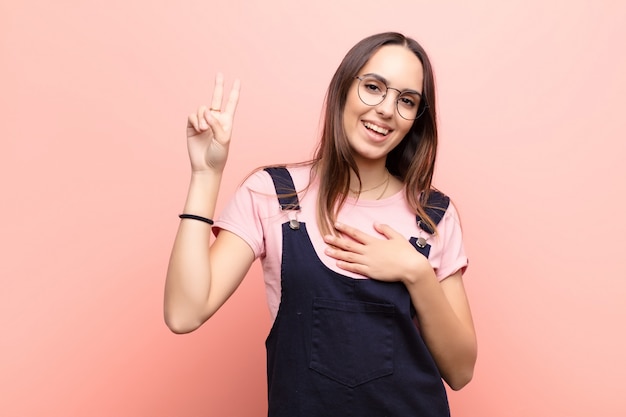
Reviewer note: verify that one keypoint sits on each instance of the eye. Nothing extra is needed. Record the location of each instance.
(407, 101)
(372, 87)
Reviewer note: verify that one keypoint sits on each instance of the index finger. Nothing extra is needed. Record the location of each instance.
(353, 232)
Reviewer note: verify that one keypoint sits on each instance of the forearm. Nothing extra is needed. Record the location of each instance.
(188, 280)
(446, 327)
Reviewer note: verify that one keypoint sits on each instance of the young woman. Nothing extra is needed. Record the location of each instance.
(362, 258)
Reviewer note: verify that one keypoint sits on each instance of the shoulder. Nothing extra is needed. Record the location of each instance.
(452, 211)
(258, 183)
(257, 178)
(450, 222)
(262, 182)
(438, 198)
(442, 211)
(300, 174)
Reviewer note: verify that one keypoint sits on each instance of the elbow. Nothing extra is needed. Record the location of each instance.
(177, 328)
(183, 317)
(180, 325)
(457, 382)
(462, 374)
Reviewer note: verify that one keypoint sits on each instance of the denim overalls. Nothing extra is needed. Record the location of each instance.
(343, 347)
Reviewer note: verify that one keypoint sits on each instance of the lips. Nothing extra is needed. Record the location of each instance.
(377, 128)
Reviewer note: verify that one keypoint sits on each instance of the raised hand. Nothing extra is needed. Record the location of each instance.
(209, 129)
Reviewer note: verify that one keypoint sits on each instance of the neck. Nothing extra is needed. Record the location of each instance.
(371, 180)
(371, 173)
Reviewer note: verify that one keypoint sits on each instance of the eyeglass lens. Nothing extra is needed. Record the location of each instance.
(373, 91)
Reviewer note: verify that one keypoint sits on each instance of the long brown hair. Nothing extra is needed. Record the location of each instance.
(412, 161)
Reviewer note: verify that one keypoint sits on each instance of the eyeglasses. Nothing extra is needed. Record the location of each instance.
(373, 89)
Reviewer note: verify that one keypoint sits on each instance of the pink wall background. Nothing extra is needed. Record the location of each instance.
(93, 102)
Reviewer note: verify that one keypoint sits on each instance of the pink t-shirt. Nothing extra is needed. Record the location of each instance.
(254, 215)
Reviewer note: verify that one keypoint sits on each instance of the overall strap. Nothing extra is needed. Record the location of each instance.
(285, 188)
(286, 193)
(435, 207)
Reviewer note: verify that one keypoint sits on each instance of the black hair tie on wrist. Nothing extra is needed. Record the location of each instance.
(194, 217)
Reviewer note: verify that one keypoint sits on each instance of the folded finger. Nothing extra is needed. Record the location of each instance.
(215, 125)
(202, 123)
(192, 121)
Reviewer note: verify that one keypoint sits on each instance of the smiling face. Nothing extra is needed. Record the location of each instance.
(373, 131)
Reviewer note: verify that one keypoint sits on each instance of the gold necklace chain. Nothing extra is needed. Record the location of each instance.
(384, 189)
(385, 183)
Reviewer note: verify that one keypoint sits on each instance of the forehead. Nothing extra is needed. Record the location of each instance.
(398, 65)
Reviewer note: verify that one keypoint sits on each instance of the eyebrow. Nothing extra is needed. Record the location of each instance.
(384, 81)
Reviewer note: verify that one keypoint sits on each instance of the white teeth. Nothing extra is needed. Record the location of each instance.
(375, 128)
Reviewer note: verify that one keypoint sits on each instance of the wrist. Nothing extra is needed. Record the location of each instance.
(206, 174)
(419, 274)
(202, 194)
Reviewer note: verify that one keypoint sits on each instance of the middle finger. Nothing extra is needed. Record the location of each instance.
(218, 92)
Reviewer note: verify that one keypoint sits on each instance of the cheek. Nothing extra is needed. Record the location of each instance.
(404, 127)
(351, 115)
(345, 119)
(354, 106)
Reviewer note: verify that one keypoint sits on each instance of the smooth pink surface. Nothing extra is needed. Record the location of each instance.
(93, 101)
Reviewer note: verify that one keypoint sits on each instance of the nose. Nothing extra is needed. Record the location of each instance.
(387, 106)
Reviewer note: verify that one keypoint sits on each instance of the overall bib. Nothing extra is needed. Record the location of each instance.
(343, 347)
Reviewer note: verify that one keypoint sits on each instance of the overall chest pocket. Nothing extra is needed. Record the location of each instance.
(352, 341)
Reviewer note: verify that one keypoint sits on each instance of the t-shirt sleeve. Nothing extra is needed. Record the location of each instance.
(243, 213)
(452, 252)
